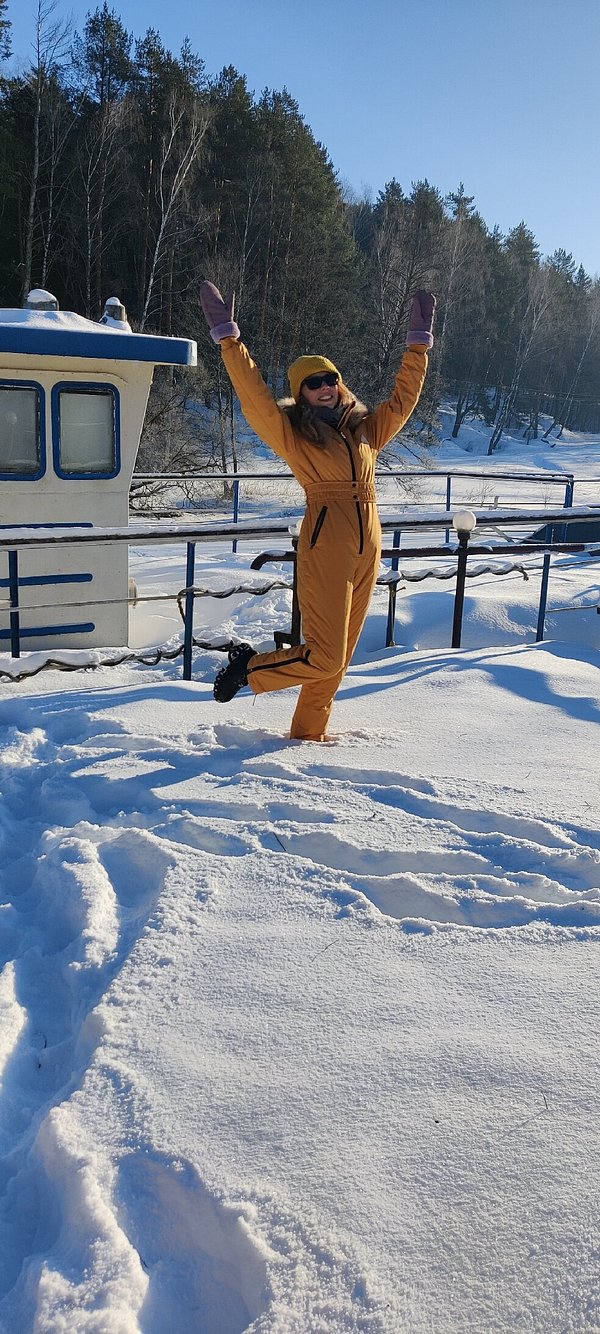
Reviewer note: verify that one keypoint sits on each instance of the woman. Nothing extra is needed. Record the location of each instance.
(330, 442)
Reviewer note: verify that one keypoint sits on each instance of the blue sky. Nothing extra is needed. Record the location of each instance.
(500, 94)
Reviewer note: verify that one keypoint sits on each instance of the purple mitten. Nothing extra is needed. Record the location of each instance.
(219, 312)
(422, 310)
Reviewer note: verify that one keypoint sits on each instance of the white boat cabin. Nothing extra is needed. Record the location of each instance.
(73, 396)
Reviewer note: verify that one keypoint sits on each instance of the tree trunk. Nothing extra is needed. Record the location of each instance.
(33, 188)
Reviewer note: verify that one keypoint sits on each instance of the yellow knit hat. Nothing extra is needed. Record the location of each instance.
(305, 366)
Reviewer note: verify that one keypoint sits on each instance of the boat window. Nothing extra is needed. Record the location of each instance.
(20, 437)
(85, 430)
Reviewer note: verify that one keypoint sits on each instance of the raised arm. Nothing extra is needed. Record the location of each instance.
(257, 402)
(389, 418)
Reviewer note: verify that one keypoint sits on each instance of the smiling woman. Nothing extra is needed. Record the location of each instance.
(331, 442)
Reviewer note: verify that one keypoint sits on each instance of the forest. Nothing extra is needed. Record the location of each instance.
(128, 171)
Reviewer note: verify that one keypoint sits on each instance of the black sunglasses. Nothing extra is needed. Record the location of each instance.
(315, 381)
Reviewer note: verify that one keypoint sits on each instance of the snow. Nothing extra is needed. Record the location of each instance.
(300, 1037)
(59, 320)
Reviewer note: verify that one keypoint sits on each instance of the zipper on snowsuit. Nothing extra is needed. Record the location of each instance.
(318, 526)
(361, 535)
(289, 662)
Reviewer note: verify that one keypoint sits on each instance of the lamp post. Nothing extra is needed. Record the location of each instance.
(464, 522)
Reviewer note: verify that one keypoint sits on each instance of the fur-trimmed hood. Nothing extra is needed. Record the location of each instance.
(314, 428)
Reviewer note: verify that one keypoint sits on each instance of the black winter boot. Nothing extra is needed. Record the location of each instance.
(231, 678)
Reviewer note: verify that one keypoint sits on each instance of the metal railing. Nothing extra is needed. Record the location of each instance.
(15, 541)
(463, 552)
(236, 480)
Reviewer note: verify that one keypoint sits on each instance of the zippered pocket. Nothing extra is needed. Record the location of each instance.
(318, 526)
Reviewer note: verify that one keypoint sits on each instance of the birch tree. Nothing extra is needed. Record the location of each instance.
(100, 151)
(538, 302)
(51, 46)
(179, 153)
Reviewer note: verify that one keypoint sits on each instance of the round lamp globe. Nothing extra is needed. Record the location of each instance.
(464, 521)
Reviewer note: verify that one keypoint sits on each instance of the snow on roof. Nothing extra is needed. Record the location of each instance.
(52, 333)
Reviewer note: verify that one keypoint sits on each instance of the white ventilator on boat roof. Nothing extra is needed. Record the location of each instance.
(73, 395)
(39, 299)
(115, 314)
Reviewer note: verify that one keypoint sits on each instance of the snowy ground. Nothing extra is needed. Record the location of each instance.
(302, 1038)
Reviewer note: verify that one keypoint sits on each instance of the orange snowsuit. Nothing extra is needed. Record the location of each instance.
(339, 547)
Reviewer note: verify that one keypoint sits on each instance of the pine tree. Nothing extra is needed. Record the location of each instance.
(5, 27)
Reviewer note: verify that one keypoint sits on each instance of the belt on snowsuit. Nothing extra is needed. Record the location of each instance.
(350, 491)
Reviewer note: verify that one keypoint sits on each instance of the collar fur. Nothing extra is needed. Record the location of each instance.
(314, 428)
